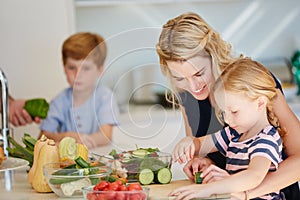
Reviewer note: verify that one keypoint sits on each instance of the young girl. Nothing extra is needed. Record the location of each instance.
(250, 141)
(84, 111)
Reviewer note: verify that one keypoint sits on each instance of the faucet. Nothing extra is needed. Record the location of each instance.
(4, 113)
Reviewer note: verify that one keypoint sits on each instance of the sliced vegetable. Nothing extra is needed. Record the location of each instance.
(67, 149)
(81, 162)
(140, 153)
(146, 176)
(163, 176)
(198, 179)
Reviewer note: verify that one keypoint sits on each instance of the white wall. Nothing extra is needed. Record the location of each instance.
(31, 35)
(258, 28)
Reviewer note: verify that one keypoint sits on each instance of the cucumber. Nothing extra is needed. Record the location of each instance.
(140, 153)
(163, 176)
(197, 178)
(146, 176)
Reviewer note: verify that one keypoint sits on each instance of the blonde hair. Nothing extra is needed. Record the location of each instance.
(187, 36)
(252, 79)
(84, 45)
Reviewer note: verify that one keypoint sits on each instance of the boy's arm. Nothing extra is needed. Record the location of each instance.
(57, 137)
(99, 138)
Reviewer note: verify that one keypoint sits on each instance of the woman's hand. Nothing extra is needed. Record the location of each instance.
(213, 173)
(195, 165)
(18, 116)
(184, 150)
(191, 192)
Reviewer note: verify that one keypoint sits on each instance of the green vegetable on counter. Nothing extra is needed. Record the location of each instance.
(198, 179)
(37, 107)
(19, 151)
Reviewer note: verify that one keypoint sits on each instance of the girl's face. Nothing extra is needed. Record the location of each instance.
(194, 75)
(82, 74)
(240, 112)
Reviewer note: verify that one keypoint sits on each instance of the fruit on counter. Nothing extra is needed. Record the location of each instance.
(19, 151)
(198, 178)
(47, 154)
(37, 107)
(117, 190)
(37, 148)
(69, 150)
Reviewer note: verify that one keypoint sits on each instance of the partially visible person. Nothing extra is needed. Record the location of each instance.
(85, 111)
(250, 142)
(192, 55)
(18, 116)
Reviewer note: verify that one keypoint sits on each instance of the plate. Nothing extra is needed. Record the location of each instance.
(13, 163)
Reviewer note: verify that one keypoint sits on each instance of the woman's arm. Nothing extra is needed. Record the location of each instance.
(188, 129)
(288, 171)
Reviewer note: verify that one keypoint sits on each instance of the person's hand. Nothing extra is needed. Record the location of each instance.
(213, 173)
(195, 165)
(191, 192)
(18, 116)
(184, 150)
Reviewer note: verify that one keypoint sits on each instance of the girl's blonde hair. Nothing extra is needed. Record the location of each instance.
(252, 79)
(187, 36)
(84, 45)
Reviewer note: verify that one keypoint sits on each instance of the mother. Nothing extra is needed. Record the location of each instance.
(192, 55)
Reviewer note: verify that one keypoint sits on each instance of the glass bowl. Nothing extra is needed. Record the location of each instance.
(129, 166)
(67, 182)
(90, 194)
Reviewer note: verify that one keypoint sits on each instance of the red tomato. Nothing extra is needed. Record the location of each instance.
(123, 188)
(101, 186)
(114, 186)
(110, 195)
(120, 196)
(119, 182)
(91, 196)
(134, 186)
(135, 196)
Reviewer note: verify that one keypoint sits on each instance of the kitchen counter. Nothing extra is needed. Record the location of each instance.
(14, 185)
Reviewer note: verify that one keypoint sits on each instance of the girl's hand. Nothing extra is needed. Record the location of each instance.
(191, 192)
(195, 165)
(184, 150)
(213, 173)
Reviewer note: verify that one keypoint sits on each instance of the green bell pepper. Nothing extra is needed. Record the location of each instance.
(37, 107)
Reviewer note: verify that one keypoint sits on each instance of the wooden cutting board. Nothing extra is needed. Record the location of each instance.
(161, 191)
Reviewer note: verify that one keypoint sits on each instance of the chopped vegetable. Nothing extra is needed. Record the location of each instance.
(146, 176)
(67, 148)
(163, 176)
(198, 178)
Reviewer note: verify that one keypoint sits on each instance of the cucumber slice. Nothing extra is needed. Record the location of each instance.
(140, 153)
(163, 176)
(198, 179)
(146, 176)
